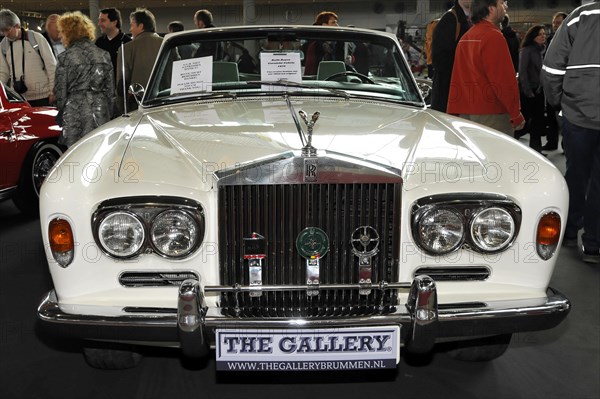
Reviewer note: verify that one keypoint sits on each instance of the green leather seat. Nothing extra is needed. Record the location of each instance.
(225, 72)
(330, 68)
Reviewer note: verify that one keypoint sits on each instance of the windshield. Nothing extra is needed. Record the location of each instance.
(270, 60)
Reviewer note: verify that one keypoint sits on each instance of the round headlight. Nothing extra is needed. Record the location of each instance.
(492, 229)
(440, 230)
(121, 234)
(175, 233)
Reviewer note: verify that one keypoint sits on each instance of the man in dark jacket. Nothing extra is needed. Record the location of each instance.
(453, 24)
(109, 22)
(203, 20)
(512, 40)
(139, 55)
(571, 77)
(551, 114)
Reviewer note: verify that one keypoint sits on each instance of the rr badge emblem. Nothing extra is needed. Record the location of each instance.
(311, 170)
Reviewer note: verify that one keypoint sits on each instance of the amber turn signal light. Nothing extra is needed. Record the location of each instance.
(548, 235)
(548, 232)
(60, 237)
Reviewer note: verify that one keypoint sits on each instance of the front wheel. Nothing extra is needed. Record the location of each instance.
(36, 168)
(480, 349)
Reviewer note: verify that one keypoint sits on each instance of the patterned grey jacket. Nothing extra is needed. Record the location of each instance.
(84, 89)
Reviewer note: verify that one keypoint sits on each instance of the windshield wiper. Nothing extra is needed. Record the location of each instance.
(201, 95)
(287, 83)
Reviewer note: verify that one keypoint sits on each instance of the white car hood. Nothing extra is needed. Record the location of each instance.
(184, 145)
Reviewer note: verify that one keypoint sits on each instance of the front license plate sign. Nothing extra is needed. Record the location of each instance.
(359, 348)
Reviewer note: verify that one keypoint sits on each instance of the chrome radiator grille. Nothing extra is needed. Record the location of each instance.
(280, 213)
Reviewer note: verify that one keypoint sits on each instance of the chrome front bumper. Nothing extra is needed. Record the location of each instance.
(192, 326)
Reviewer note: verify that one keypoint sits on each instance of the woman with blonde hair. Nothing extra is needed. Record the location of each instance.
(84, 83)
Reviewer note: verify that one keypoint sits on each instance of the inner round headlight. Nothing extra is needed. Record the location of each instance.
(121, 234)
(492, 229)
(440, 230)
(175, 233)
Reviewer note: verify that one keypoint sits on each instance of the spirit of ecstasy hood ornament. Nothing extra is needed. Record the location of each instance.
(308, 150)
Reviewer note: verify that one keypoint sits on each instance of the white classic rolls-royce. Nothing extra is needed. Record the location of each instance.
(284, 196)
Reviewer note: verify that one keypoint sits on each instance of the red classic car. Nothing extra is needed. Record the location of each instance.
(28, 148)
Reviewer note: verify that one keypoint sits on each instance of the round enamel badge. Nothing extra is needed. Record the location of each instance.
(312, 242)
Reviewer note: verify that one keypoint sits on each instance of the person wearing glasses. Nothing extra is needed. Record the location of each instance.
(27, 63)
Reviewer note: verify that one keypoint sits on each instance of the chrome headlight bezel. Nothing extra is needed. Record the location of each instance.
(469, 205)
(147, 209)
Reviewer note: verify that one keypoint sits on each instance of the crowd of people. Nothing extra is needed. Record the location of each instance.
(85, 77)
(526, 52)
(540, 85)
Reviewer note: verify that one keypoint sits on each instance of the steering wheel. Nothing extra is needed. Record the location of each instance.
(363, 78)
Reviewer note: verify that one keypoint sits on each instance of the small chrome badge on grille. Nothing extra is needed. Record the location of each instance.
(254, 254)
(312, 244)
(365, 243)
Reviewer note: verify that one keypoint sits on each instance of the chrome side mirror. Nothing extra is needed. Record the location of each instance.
(425, 87)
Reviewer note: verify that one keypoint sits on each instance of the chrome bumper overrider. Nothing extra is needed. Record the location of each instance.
(423, 322)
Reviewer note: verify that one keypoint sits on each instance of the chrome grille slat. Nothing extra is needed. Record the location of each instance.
(279, 213)
(155, 278)
(456, 273)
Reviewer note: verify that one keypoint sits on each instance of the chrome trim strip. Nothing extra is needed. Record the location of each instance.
(454, 273)
(155, 278)
(50, 311)
(146, 309)
(239, 288)
(7, 193)
(556, 302)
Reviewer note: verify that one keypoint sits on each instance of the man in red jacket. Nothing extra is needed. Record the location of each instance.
(484, 86)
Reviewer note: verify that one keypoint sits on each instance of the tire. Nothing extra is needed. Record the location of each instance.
(481, 349)
(37, 165)
(102, 356)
